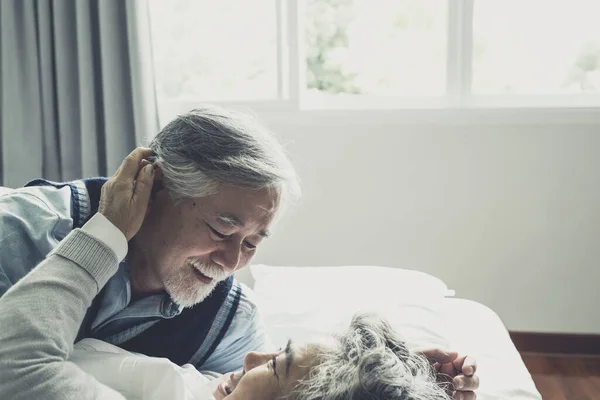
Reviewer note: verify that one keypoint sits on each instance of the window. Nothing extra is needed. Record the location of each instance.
(536, 47)
(300, 54)
(214, 50)
(397, 48)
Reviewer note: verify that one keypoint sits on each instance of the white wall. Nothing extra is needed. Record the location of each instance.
(506, 215)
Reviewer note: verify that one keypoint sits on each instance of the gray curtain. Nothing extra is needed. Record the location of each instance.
(77, 87)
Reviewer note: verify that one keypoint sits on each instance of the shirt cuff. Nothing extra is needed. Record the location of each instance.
(100, 228)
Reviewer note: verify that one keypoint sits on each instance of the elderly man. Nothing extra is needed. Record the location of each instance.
(218, 180)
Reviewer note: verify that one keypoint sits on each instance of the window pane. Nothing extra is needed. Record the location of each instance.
(380, 48)
(536, 47)
(214, 50)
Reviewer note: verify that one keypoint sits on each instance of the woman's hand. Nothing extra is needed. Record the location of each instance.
(124, 198)
(460, 368)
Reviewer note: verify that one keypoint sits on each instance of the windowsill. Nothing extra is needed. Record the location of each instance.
(425, 113)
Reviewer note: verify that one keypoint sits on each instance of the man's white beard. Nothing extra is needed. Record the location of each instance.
(184, 287)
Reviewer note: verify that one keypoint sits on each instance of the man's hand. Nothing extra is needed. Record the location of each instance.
(124, 198)
(460, 368)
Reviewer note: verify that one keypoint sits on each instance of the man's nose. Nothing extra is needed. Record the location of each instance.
(228, 257)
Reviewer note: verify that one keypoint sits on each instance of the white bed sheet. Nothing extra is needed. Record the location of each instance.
(477, 330)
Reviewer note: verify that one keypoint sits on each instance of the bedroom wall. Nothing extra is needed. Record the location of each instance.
(507, 215)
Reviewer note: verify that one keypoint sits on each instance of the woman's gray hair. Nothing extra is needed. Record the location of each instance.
(370, 361)
(210, 146)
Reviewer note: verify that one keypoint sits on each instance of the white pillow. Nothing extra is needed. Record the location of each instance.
(355, 281)
(302, 302)
(420, 325)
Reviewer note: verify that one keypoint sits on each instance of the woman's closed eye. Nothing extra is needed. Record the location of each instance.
(274, 366)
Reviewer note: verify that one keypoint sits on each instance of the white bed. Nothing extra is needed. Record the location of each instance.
(300, 302)
(475, 329)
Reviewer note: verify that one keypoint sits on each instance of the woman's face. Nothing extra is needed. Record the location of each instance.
(267, 376)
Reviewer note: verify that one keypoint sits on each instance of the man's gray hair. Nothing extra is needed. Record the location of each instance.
(210, 146)
(370, 361)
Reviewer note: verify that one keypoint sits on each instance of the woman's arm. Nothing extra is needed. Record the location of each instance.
(41, 314)
(40, 317)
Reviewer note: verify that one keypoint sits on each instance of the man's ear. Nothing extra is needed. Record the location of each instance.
(157, 187)
(158, 183)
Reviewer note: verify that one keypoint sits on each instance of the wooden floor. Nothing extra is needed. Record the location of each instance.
(560, 377)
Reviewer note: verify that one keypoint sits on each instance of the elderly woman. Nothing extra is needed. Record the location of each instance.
(369, 361)
(38, 360)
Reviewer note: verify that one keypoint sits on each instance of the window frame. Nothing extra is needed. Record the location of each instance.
(457, 106)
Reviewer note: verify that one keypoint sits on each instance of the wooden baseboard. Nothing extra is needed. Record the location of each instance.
(556, 343)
